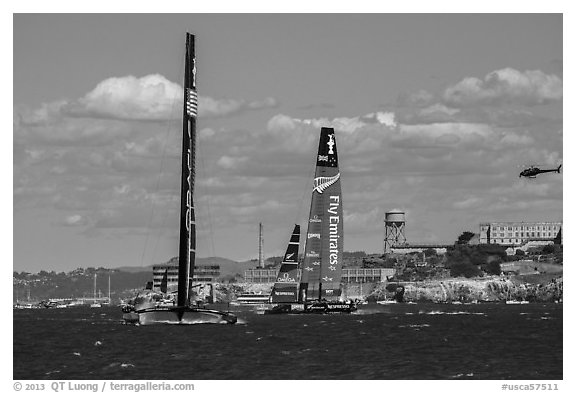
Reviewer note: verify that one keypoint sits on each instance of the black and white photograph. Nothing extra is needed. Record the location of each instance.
(263, 196)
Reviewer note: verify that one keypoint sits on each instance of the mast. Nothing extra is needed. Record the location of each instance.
(187, 249)
(260, 247)
(322, 267)
(94, 287)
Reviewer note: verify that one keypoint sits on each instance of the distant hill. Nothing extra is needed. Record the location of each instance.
(228, 267)
(124, 281)
(134, 269)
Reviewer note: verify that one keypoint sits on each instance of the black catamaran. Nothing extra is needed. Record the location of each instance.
(319, 290)
(183, 312)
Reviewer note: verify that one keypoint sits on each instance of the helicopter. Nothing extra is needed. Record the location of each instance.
(532, 171)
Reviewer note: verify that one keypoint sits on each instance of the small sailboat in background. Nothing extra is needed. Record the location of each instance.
(184, 311)
(108, 302)
(95, 304)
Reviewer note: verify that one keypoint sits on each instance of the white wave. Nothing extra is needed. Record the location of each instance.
(453, 313)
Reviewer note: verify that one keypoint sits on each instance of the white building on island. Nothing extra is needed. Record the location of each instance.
(518, 233)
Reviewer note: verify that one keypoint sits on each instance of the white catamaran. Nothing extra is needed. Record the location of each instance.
(183, 312)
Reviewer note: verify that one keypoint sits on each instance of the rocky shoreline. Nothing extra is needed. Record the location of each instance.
(494, 289)
(447, 290)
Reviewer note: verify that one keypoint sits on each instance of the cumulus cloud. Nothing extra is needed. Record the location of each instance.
(467, 203)
(513, 139)
(211, 107)
(441, 134)
(151, 147)
(47, 114)
(125, 217)
(318, 106)
(506, 86)
(228, 162)
(439, 108)
(282, 122)
(376, 132)
(71, 132)
(75, 220)
(421, 98)
(206, 133)
(361, 219)
(149, 98)
(385, 161)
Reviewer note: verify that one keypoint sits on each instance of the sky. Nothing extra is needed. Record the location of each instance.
(434, 114)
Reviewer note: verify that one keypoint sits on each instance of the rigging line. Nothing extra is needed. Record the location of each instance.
(174, 108)
(152, 209)
(152, 204)
(162, 162)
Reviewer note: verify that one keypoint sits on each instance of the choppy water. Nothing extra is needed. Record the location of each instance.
(398, 341)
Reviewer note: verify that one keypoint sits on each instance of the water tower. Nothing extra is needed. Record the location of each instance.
(394, 223)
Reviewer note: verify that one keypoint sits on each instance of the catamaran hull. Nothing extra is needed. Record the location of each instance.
(330, 308)
(314, 308)
(179, 316)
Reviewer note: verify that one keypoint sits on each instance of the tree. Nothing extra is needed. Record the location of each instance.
(430, 252)
(520, 253)
(493, 267)
(465, 237)
(465, 269)
(548, 249)
(373, 263)
(354, 254)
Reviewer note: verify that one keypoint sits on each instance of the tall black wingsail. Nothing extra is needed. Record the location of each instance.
(151, 311)
(286, 286)
(322, 270)
(187, 252)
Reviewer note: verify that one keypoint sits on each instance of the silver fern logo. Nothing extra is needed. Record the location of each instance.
(322, 183)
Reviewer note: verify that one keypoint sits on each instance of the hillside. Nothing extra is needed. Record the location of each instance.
(123, 280)
(228, 267)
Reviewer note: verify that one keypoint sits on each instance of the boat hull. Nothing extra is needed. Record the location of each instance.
(178, 316)
(253, 299)
(313, 308)
(330, 308)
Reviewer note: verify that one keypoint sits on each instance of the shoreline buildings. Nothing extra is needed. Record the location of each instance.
(518, 233)
(349, 275)
(202, 274)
